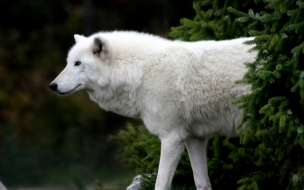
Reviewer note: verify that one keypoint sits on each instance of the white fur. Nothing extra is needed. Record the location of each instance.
(182, 90)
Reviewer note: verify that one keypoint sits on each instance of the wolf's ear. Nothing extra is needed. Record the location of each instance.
(101, 48)
(78, 38)
(98, 45)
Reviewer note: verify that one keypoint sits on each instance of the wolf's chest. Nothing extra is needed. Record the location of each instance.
(121, 102)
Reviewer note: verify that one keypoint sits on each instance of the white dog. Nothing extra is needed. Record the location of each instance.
(182, 90)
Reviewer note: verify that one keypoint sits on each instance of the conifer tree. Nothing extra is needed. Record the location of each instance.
(273, 112)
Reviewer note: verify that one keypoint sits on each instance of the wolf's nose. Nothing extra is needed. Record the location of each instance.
(53, 86)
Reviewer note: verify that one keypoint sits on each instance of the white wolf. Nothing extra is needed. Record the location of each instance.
(181, 90)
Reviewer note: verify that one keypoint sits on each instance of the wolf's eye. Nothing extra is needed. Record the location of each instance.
(77, 63)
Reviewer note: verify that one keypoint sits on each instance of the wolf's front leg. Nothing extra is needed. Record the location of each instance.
(172, 147)
(197, 152)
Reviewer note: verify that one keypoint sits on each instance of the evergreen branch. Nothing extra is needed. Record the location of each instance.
(206, 2)
(299, 48)
(189, 23)
(236, 12)
(243, 19)
(296, 26)
(198, 11)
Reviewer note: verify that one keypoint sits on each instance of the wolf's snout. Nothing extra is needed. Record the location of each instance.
(53, 86)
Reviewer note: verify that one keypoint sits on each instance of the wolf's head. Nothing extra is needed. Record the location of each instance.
(87, 63)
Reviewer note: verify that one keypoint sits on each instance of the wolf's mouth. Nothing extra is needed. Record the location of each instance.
(63, 93)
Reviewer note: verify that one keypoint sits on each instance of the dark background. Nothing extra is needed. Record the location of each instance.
(47, 140)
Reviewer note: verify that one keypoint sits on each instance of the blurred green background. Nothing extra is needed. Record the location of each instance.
(52, 141)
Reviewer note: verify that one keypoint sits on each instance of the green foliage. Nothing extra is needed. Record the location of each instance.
(274, 110)
(142, 148)
(215, 20)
